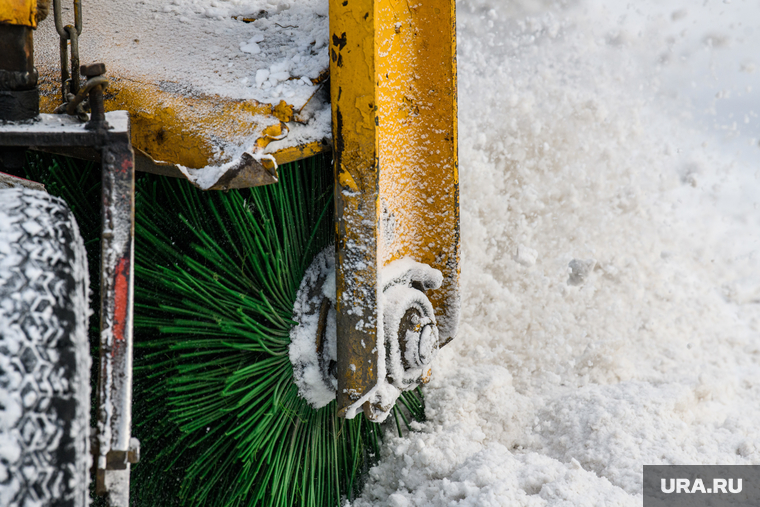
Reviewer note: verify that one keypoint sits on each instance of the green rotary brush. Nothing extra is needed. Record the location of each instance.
(215, 405)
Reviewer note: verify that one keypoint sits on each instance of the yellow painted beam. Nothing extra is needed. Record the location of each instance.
(19, 12)
(355, 151)
(393, 90)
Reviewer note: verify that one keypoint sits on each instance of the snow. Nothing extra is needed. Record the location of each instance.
(264, 52)
(212, 47)
(406, 270)
(69, 125)
(610, 230)
(309, 372)
(207, 177)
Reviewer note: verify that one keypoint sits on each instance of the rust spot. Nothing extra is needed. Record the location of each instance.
(126, 165)
(321, 78)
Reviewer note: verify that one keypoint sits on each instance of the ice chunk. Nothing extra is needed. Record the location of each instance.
(579, 270)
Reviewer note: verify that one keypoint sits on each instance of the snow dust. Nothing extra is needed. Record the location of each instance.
(610, 276)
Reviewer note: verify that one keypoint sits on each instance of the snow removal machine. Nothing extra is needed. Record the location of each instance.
(259, 200)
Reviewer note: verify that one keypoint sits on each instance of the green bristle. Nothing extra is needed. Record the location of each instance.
(215, 406)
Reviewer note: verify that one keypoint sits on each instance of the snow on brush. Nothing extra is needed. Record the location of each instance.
(610, 278)
(315, 384)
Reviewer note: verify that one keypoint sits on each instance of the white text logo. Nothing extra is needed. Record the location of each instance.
(686, 486)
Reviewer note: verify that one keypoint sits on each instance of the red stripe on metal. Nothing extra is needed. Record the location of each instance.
(121, 299)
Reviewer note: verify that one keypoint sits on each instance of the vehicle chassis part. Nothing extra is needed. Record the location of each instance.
(111, 137)
(21, 127)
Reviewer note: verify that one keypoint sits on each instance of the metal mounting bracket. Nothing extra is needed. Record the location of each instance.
(111, 138)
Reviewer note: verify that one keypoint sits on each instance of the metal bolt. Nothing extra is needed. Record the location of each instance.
(93, 69)
(97, 110)
(133, 454)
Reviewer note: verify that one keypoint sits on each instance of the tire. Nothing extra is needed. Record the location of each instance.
(44, 353)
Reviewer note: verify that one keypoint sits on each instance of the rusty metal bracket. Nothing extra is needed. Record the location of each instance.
(116, 448)
(394, 106)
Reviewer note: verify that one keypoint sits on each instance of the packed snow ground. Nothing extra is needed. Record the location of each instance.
(611, 283)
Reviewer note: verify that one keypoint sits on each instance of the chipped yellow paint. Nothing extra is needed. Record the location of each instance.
(345, 180)
(272, 133)
(352, 91)
(19, 12)
(426, 376)
(393, 89)
(192, 130)
(285, 155)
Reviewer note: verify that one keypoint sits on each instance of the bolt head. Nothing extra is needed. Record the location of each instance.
(93, 69)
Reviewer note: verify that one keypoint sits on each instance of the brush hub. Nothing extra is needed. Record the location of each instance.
(313, 341)
(410, 334)
(410, 331)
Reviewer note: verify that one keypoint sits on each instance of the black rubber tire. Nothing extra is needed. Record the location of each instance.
(44, 353)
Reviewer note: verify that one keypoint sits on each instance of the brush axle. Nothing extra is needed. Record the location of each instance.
(409, 327)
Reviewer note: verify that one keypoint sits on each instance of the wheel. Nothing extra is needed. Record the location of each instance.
(44, 353)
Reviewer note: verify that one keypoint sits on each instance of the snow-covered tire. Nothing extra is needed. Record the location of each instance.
(44, 353)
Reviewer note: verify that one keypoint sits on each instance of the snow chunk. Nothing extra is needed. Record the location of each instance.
(525, 256)
(579, 270)
(250, 47)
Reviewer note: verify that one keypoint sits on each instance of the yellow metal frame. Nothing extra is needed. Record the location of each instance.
(394, 99)
(19, 12)
(173, 129)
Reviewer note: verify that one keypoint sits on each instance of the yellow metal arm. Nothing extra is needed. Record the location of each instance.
(394, 102)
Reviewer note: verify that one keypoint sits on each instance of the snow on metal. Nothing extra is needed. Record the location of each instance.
(202, 80)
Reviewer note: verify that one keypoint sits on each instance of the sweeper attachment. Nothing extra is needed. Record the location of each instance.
(277, 322)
